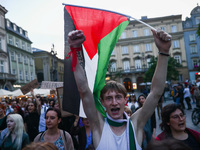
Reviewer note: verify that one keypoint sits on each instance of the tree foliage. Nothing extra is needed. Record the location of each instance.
(198, 30)
(172, 72)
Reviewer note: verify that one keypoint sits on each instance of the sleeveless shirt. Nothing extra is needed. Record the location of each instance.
(110, 141)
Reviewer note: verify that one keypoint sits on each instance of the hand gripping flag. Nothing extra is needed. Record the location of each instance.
(102, 30)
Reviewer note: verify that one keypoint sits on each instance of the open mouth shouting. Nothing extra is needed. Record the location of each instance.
(115, 110)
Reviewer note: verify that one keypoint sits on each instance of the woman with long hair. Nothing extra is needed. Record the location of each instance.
(150, 126)
(16, 138)
(32, 120)
(173, 126)
(60, 138)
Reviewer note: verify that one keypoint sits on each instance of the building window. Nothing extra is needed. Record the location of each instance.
(31, 76)
(23, 45)
(20, 31)
(178, 58)
(146, 32)
(148, 61)
(10, 39)
(138, 64)
(19, 57)
(124, 50)
(16, 42)
(26, 74)
(0, 43)
(25, 60)
(193, 49)
(192, 37)
(113, 67)
(136, 49)
(123, 36)
(20, 75)
(176, 44)
(15, 27)
(126, 66)
(12, 54)
(148, 47)
(28, 48)
(174, 29)
(195, 63)
(197, 19)
(163, 28)
(26, 34)
(13, 71)
(180, 77)
(134, 32)
(2, 66)
(31, 61)
(8, 23)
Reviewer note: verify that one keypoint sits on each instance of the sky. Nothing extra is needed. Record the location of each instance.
(44, 19)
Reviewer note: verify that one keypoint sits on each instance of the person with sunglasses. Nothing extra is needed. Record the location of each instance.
(173, 126)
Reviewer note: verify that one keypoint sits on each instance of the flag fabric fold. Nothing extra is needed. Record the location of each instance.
(102, 30)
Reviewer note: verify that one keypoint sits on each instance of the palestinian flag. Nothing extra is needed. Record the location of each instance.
(102, 30)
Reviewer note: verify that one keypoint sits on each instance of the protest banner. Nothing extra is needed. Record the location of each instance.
(28, 87)
(51, 85)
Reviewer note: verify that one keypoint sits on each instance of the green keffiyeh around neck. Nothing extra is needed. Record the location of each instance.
(121, 122)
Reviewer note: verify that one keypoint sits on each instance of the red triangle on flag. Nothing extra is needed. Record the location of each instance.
(95, 24)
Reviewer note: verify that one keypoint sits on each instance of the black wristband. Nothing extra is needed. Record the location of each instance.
(163, 54)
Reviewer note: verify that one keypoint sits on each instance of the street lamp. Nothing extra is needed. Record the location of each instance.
(54, 68)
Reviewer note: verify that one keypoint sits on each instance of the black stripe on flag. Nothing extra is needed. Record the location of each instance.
(71, 96)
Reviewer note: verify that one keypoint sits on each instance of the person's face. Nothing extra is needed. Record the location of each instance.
(10, 124)
(86, 122)
(56, 106)
(29, 100)
(51, 103)
(1, 112)
(114, 103)
(52, 120)
(142, 100)
(31, 107)
(15, 110)
(177, 121)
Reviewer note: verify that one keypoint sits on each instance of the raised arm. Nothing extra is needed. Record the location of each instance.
(75, 40)
(163, 43)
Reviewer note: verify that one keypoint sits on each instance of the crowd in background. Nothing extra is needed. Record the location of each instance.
(30, 120)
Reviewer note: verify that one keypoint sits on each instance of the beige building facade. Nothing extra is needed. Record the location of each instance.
(136, 47)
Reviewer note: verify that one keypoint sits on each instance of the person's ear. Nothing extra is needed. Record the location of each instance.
(102, 101)
(59, 120)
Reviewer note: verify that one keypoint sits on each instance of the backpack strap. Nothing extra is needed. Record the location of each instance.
(64, 135)
(41, 133)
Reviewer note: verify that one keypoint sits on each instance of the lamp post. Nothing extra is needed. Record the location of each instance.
(54, 63)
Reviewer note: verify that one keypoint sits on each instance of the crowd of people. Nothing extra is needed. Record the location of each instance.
(126, 124)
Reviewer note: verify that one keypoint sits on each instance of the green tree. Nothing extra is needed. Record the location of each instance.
(172, 72)
(198, 30)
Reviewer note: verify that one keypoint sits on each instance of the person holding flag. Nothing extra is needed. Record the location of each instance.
(116, 131)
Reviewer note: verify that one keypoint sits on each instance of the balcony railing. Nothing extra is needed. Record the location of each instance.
(8, 76)
(139, 70)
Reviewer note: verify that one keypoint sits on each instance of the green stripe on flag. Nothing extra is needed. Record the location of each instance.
(105, 48)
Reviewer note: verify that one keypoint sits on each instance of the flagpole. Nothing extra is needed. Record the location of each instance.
(144, 23)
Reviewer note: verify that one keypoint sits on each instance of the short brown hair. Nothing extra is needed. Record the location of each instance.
(40, 146)
(113, 86)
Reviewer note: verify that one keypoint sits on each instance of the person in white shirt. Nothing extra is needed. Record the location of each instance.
(187, 96)
(116, 131)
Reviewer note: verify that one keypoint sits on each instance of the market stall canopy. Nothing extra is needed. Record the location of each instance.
(17, 92)
(42, 92)
(5, 93)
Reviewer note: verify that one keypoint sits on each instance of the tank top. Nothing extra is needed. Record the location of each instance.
(110, 141)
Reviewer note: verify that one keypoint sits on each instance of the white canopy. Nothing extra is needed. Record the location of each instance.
(5, 93)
